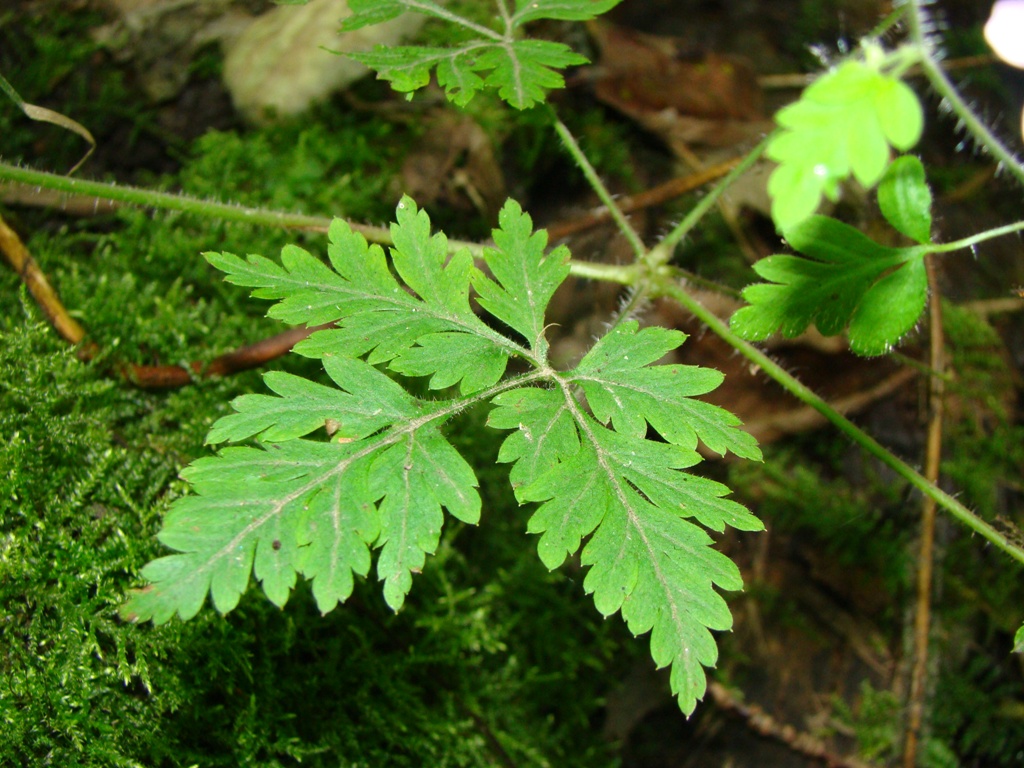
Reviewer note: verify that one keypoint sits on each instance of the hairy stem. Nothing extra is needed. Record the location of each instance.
(662, 252)
(598, 186)
(171, 201)
(988, 234)
(917, 26)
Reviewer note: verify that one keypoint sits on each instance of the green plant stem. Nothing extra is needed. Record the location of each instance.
(944, 87)
(145, 198)
(662, 252)
(885, 25)
(441, 12)
(171, 201)
(598, 186)
(609, 273)
(981, 237)
(847, 427)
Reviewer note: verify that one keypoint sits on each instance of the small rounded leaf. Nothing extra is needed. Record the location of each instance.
(796, 192)
(905, 199)
(889, 309)
(899, 112)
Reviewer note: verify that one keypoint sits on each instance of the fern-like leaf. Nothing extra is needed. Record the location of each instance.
(383, 476)
(522, 71)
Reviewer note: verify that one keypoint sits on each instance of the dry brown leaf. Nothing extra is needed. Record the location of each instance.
(44, 115)
(455, 164)
(710, 98)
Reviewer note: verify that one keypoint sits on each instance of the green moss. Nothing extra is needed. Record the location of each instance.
(493, 655)
(859, 526)
(330, 161)
(494, 659)
(985, 448)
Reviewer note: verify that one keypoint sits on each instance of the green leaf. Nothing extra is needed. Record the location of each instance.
(842, 126)
(522, 71)
(849, 280)
(416, 478)
(647, 560)
(660, 572)
(524, 277)
(899, 111)
(299, 507)
(304, 406)
(602, 476)
(623, 388)
(545, 433)
(450, 358)
(375, 314)
(905, 199)
(1018, 640)
(382, 476)
(889, 309)
(563, 10)
(256, 508)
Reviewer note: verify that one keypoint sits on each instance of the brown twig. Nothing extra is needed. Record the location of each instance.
(21, 260)
(800, 80)
(145, 376)
(763, 724)
(656, 195)
(986, 307)
(925, 558)
(242, 359)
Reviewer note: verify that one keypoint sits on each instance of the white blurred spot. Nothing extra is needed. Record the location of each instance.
(1004, 31)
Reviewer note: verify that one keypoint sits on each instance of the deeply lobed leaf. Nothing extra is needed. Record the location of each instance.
(604, 482)
(622, 388)
(648, 559)
(521, 71)
(879, 292)
(601, 477)
(525, 278)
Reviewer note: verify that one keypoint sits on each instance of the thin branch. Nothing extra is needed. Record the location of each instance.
(170, 201)
(144, 376)
(21, 260)
(569, 141)
(916, 25)
(980, 237)
(664, 192)
(806, 418)
(925, 558)
(986, 307)
(241, 359)
(763, 724)
(662, 252)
